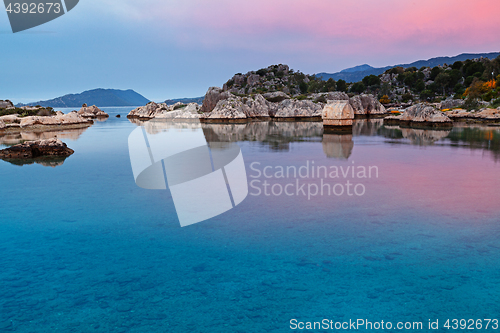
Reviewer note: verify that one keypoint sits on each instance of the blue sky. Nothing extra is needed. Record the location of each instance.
(170, 49)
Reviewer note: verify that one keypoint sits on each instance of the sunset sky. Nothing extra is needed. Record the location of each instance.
(170, 49)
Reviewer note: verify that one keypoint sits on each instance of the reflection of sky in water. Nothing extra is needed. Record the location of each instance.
(84, 249)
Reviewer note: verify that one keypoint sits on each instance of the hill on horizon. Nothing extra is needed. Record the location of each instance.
(188, 100)
(357, 73)
(99, 97)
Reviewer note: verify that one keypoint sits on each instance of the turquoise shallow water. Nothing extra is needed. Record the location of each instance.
(83, 249)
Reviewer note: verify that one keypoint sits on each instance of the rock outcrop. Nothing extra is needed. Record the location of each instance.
(180, 111)
(230, 108)
(72, 118)
(367, 105)
(16, 123)
(212, 97)
(154, 110)
(34, 149)
(149, 111)
(92, 112)
(421, 115)
(450, 103)
(292, 108)
(6, 104)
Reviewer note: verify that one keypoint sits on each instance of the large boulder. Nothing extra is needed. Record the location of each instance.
(2, 124)
(488, 114)
(149, 111)
(292, 108)
(258, 107)
(421, 114)
(181, 111)
(6, 104)
(72, 118)
(34, 149)
(92, 112)
(367, 104)
(230, 108)
(212, 97)
(276, 97)
(336, 96)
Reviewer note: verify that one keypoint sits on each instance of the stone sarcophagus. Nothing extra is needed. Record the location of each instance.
(338, 115)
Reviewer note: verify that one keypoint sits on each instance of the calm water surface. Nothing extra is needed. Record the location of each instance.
(83, 249)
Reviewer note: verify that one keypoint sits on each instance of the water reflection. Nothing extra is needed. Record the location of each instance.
(476, 138)
(11, 139)
(46, 161)
(337, 145)
(277, 136)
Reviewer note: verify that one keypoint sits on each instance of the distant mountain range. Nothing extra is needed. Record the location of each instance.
(98, 97)
(357, 73)
(198, 100)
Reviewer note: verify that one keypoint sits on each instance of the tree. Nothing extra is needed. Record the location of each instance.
(472, 67)
(371, 80)
(385, 100)
(341, 85)
(358, 87)
(443, 81)
(457, 65)
(303, 87)
(410, 79)
(426, 95)
(455, 76)
(330, 84)
(419, 86)
(406, 97)
(435, 72)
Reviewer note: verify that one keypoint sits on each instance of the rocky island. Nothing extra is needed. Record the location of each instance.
(273, 92)
(37, 118)
(51, 152)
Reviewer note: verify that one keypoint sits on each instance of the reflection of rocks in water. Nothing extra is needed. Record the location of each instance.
(157, 126)
(338, 145)
(477, 137)
(15, 138)
(275, 135)
(422, 137)
(367, 127)
(47, 161)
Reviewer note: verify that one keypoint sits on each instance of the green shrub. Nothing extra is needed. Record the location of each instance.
(180, 106)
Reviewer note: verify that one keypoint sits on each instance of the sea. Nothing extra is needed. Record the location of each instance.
(384, 225)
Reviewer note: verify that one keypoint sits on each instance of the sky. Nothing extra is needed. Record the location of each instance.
(178, 48)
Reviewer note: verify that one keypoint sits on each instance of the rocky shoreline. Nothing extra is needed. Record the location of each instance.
(223, 106)
(54, 121)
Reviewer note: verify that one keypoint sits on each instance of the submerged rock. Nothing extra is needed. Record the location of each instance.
(34, 149)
